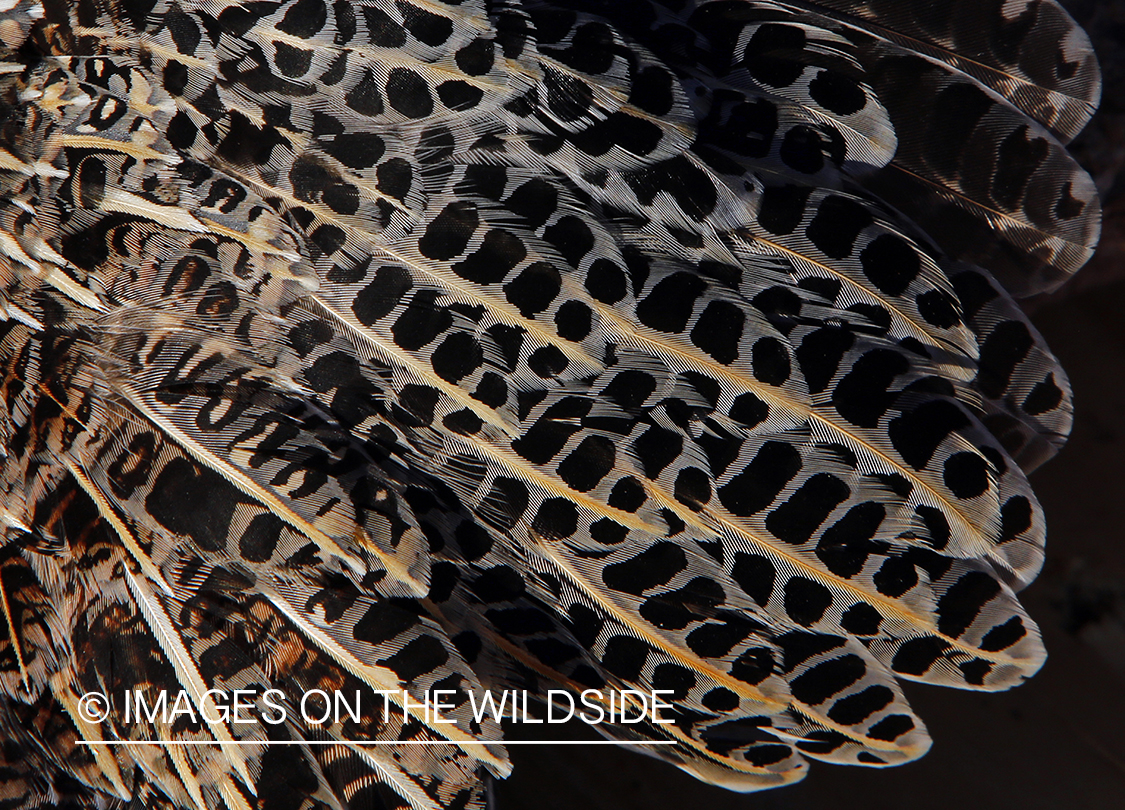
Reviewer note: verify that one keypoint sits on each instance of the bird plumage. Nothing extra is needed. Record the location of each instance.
(507, 344)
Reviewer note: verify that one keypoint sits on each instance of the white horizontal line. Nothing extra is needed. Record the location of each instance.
(371, 742)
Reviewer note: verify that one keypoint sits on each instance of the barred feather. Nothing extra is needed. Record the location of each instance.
(531, 344)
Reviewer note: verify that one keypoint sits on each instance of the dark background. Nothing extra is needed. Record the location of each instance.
(1058, 742)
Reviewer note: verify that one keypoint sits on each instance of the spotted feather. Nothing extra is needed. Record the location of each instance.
(528, 344)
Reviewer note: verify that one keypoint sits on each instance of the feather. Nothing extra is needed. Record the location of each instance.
(389, 347)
